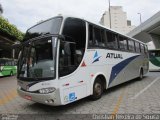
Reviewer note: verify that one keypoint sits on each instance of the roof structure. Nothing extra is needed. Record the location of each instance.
(148, 31)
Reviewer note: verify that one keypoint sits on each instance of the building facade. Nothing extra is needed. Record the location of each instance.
(118, 20)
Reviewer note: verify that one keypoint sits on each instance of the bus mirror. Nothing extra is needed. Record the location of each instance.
(61, 37)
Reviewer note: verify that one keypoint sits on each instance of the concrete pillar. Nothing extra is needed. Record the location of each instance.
(156, 40)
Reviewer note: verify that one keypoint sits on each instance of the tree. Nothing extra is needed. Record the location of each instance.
(9, 30)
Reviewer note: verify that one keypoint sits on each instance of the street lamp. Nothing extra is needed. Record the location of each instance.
(140, 17)
(109, 13)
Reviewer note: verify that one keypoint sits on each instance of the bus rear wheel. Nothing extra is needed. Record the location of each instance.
(97, 89)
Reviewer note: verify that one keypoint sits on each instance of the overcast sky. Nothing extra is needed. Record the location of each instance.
(26, 13)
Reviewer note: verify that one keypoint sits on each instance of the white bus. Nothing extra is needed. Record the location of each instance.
(64, 59)
(154, 60)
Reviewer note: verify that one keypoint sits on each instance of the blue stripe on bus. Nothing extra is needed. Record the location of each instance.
(118, 68)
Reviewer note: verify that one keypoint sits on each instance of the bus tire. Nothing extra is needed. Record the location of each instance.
(11, 73)
(97, 89)
(141, 74)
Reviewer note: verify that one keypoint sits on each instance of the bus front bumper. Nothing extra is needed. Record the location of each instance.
(52, 99)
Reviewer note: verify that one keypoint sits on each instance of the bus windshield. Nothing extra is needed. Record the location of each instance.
(51, 26)
(37, 60)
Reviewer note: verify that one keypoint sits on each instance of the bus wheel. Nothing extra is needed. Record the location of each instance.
(11, 74)
(97, 89)
(141, 74)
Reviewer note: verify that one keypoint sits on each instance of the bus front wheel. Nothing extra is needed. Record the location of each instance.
(11, 74)
(97, 89)
(141, 74)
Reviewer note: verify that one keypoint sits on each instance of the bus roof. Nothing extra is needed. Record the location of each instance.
(97, 24)
(154, 50)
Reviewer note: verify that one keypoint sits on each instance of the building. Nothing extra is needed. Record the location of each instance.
(1, 10)
(118, 18)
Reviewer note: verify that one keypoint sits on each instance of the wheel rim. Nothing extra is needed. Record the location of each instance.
(98, 89)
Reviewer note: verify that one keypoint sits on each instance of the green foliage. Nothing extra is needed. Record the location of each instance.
(10, 29)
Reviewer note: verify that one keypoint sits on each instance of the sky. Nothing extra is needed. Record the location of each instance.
(26, 13)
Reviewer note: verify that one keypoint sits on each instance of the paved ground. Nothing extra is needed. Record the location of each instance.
(134, 97)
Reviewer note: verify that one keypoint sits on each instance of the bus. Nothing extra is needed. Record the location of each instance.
(8, 67)
(154, 60)
(65, 59)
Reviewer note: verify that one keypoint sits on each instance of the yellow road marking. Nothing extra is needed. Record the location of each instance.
(9, 96)
(116, 108)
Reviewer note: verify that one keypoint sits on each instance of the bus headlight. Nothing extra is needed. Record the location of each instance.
(47, 90)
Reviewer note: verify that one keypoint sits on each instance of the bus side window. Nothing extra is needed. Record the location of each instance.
(67, 58)
(131, 45)
(142, 48)
(97, 37)
(137, 47)
(112, 40)
(146, 49)
(103, 41)
(90, 41)
(122, 43)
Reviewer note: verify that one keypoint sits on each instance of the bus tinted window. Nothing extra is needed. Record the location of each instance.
(67, 58)
(72, 49)
(142, 48)
(75, 31)
(137, 47)
(131, 45)
(154, 53)
(112, 40)
(122, 43)
(97, 36)
(51, 26)
(104, 39)
(90, 41)
(8, 62)
(146, 49)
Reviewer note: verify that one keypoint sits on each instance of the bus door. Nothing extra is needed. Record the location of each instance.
(68, 63)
